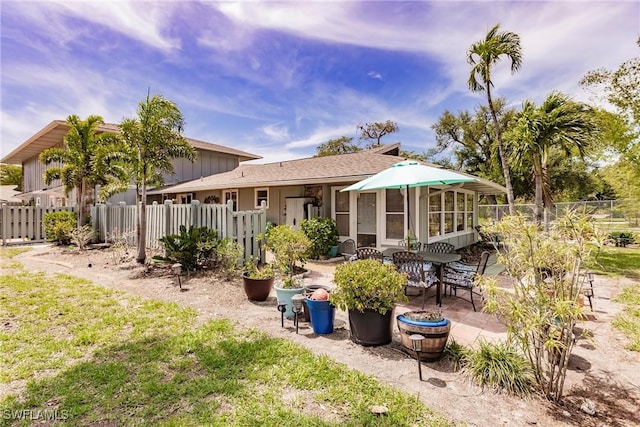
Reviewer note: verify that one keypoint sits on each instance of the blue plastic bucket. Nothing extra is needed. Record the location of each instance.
(322, 314)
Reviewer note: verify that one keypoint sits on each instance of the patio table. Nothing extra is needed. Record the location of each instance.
(437, 258)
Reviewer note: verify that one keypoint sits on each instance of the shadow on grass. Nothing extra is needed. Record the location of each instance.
(616, 405)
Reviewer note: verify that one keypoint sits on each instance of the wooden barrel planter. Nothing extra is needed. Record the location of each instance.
(435, 333)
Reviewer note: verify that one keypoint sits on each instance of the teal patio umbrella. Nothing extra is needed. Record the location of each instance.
(409, 174)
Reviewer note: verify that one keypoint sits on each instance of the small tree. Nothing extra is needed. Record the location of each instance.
(289, 246)
(542, 311)
(375, 131)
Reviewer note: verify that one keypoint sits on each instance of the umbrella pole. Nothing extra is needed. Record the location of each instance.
(408, 239)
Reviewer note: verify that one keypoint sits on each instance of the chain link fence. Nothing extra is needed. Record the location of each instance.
(612, 214)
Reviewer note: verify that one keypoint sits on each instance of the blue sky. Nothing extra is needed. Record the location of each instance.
(278, 79)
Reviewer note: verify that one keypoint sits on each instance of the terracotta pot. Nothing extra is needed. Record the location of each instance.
(257, 289)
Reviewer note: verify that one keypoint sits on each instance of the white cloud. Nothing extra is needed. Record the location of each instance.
(278, 131)
(142, 21)
(374, 75)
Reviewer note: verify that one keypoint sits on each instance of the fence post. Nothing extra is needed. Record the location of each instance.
(167, 217)
(5, 218)
(195, 208)
(229, 223)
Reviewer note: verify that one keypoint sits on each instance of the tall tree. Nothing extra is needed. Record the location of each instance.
(558, 123)
(11, 175)
(153, 139)
(375, 131)
(621, 87)
(482, 56)
(76, 160)
(342, 145)
(470, 137)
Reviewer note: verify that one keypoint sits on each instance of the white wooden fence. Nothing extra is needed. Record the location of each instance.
(21, 224)
(120, 221)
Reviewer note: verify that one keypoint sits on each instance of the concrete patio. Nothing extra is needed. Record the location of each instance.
(467, 326)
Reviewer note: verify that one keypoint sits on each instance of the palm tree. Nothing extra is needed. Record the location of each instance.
(76, 160)
(482, 56)
(152, 140)
(559, 123)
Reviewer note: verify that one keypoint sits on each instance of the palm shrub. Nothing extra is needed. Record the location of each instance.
(456, 353)
(192, 247)
(59, 226)
(542, 311)
(323, 234)
(498, 366)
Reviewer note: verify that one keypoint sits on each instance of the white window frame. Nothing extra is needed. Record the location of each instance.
(352, 221)
(468, 209)
(257, 201)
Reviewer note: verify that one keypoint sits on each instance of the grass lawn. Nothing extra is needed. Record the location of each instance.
(84, 354)
(612, 261)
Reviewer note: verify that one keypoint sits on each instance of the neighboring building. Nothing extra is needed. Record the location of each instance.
(8, 195)
(296, 189)
(212, 159)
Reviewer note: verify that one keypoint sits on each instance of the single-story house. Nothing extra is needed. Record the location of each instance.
(296, 189)
(212, 159)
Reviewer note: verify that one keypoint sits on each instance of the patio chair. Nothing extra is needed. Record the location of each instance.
(460, 275)
(369, 253)
(439, 247)
(347, 249)
(414, 244)
(419, 274)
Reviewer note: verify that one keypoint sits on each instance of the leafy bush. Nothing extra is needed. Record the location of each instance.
(229, 257)
(58, 226)
(622, 238)
(289, 247)
(323, 234)
(499, 367)
(193, 247)
(368, 284)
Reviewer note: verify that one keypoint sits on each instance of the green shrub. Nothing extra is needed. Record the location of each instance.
(58, 226)
(457, 353)
(323, 234)
(288, 246)
(499, 367)
(229, 257)
(193, 247)
(622, 238)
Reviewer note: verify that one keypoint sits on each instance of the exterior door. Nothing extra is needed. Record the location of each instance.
(295, 211)
(367, 219)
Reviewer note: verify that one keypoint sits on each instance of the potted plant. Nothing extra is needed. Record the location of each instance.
(321, 311)
(369, 291)
(288, 247)
(257, 280)
(431, 325)
(323, 234)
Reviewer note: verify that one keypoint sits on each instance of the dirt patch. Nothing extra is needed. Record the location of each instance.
(601, 370)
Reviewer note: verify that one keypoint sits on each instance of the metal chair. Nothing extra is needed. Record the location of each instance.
(347, 249)
(369, 253)
(439, 247)
(460, 275)
(413, 266)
